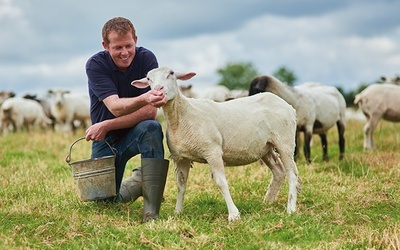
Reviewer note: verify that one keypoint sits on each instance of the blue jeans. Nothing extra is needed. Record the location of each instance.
(146, 138)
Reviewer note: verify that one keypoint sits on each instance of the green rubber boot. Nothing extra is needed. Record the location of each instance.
(154, 177)
(131, 188)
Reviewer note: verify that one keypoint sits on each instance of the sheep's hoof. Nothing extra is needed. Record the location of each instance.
(233, 218)
(291, 210)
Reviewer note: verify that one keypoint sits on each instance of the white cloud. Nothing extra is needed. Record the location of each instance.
(8, 10)
(341, 43)
(71, 68)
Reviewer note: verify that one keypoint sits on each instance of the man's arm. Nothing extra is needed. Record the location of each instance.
(98, 131)
(124, 106)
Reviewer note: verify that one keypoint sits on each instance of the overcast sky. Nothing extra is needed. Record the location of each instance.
(44, 44)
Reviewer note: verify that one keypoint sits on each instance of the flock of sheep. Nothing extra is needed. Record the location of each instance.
(62, 111)
(265, 125)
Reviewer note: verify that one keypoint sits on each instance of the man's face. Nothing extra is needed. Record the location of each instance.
(121, 49)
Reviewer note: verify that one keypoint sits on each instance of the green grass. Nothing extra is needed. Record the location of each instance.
(352, 204)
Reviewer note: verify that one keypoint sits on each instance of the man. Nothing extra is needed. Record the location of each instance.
(124, 115)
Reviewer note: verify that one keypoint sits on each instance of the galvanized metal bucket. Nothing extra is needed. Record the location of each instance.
(94, 178)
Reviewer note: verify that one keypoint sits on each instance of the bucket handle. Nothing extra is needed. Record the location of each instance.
(68, 158)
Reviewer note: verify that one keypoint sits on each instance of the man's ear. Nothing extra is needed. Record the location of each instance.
(105, 45)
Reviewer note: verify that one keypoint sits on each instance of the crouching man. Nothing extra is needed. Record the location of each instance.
(124, 116)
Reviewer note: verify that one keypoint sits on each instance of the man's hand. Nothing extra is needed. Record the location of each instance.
(156, 98)
(96, 132)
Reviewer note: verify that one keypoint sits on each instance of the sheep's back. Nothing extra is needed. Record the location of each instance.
(243, 128)
(381, 98)
(329, 105)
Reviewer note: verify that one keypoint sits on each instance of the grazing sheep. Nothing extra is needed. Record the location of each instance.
(67, 109)
(4, 95)
(238, 93)
(46, 104)
(393, 80)
(354, 115)
(319, 107)
(378, 101)
(22, 113)
(216, 93)
(187, 91)
(231, 133)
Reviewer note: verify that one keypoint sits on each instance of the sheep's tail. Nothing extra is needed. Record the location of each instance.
(357, 99)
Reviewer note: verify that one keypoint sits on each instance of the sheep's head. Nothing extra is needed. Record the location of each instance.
(163, 79)
(57, 96)
(263, 84)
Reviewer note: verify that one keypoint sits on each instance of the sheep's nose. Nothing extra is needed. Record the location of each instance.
(160, 88)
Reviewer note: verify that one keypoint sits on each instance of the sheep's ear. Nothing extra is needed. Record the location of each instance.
(184, 76)
(141, 84)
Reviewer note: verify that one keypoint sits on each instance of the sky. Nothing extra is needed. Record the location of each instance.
(44, 44)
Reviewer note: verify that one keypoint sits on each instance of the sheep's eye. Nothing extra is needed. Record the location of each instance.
(171, 73)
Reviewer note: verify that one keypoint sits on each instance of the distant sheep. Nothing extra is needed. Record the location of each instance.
(231, 133)
(4, 95)
(378, 101)
(319, 107)
(354, 115)
(216, 93)
(67, 108)
(393, 80)
(20, 113)
(46, 104)
(238, 93)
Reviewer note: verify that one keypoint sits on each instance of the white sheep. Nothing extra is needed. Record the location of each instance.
(231, 133)
(353, 114)
(216, 93)
(22, 113)
(319, 107)
(4, 95)
(393, 80)
(238, 93)
(46, 105)
(67, 108)
(378, 101)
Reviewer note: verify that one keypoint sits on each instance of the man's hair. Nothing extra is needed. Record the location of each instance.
(119, 24)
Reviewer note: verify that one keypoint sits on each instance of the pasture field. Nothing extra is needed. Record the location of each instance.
(352, 204)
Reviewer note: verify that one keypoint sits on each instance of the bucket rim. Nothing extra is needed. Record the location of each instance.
(68, 158)
(92, 159)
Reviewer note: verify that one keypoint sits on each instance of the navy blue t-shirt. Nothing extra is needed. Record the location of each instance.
(105, 79)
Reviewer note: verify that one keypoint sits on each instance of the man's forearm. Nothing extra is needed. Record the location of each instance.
(130, 120)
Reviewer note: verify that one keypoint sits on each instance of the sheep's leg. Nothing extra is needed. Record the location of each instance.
(341, 128)
(182, 168)
(307, 142)
(274, 163)
(293, 181)
(19, 123)
(324, 144)
(298, 143)
(369, 130)
(218, 174)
